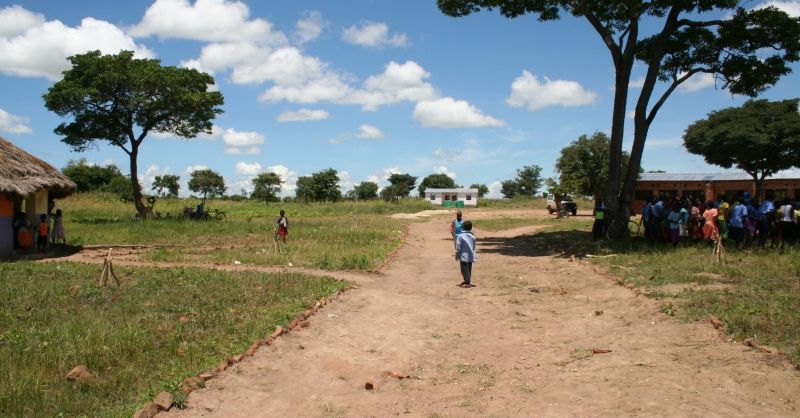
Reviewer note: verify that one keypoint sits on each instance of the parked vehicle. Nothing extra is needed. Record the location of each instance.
(557, 203)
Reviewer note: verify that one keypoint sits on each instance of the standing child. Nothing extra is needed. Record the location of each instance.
(456, 226)
(598, 227)
(43, 228)
(282, 225)
(58, 228)
(465, 253)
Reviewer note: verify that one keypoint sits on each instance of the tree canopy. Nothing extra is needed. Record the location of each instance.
(760, 137)
(436, 181)
(583, 166)
(320, 186)
(208, 182)
(482, 189)
(400, 186)
(266, 187)
(746, 51)
(365, 190)
(90, 177)
(167, 185)
(509, 189)
(529, 180)
(119, 99)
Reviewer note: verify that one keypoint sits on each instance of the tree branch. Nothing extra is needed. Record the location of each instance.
(701, 24)
(616, 52)
(675, 83)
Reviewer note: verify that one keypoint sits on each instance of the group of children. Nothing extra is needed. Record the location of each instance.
(464, 242)
(24, 231)
(740, 219)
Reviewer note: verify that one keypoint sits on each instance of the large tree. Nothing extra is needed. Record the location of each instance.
(509, 189)
(320, 186)
(208, 182)
(528, 180)
(400, 186)
(482, 189)
(366, 190)
(266, 187)
(746, 50)
(583, 166)
(167, 185)
(119, 99)
(760, 137)
(436, 181)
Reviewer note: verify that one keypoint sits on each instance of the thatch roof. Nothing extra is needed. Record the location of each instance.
(22, 174)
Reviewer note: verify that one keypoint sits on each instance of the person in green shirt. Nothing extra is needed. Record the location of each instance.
(599, 221)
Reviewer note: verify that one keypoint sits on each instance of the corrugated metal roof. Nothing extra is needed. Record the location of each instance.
(432, 190)
(726, 176)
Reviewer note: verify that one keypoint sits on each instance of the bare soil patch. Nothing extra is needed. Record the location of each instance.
(538, 336)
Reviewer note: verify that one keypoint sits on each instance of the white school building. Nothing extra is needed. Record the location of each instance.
(452, 197)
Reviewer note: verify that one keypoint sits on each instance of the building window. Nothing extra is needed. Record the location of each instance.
(777, 194)
(645, 195)
(469, 196)
(433, 196)
(694, 195)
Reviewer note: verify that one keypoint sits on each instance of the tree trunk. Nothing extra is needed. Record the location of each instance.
(614, 208)
(137, 190)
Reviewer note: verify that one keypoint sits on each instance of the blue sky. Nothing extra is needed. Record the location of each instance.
(368, 87)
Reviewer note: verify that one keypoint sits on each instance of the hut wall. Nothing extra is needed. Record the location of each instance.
(6, 226)
(36, 206)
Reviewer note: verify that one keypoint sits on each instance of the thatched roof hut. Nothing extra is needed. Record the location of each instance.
(22, 174)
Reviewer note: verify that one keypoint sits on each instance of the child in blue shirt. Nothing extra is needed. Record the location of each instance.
(465, 253)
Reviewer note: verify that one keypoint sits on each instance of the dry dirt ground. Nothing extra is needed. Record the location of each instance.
(518, 344)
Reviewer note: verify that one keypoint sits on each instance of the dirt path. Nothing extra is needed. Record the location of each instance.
(518, 344)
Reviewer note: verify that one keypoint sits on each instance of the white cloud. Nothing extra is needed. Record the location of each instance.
(42, 50)
(444, 170)
(398, 82)
(345, 181)
(192, 168)
(381, 176)
(14, 124)
(494, 190)
(697, 82)
(302, 115)
(15, 20)
(369, 132)
(450, 113)
(309, 27)
(364, 132)
(288, 177)
(791, 7)
(246, 169)
(374, 35)
(631, 114)
(527, 91)
(205, 20)
(242, 151)
(235, 139)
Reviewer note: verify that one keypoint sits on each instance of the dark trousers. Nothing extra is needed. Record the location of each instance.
(597, 229)
(466, 271)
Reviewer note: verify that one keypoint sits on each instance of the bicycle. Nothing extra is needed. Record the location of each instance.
(634, 228)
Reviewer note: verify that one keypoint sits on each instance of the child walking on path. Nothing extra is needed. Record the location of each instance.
(456, 226)
(465, 253)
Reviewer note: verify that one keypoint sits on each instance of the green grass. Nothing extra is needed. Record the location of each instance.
(344, 235)
(759, 294)
(54, 317)
(553, 224)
